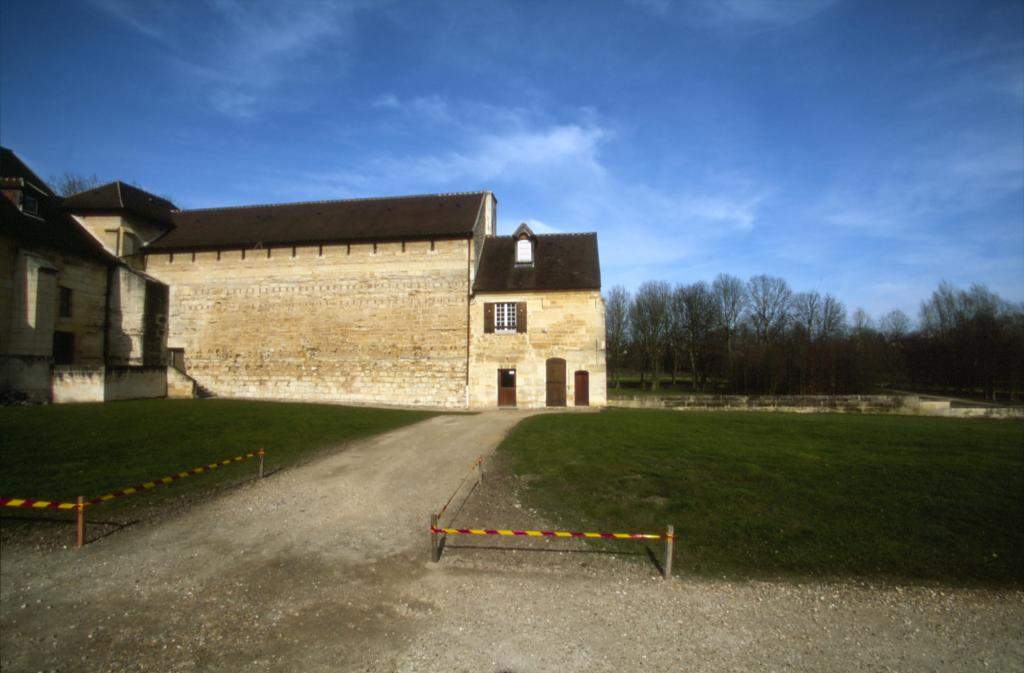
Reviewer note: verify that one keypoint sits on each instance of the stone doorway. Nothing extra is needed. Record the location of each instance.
(556, 382)
(506, 387)
(582, 388)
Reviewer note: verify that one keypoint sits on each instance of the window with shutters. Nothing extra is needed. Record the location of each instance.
(505, 317)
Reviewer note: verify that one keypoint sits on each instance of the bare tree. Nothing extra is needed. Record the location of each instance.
(807, 313)
(616, 324)
(894, 325)
(677, 328)
(769, 306)
(731, 296)
(701, 316)
(72, 183)
(862, 322)
(649, 318)
(833, 317)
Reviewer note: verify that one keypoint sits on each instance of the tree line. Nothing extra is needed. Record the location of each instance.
(760, 336)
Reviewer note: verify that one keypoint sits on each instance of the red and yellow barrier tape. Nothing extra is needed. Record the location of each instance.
(131, 490)
(475, 465)
(29, 503)
(552, 533)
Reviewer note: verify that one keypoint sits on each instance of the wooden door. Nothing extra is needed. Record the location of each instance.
(506, 387)
(556, 382)
(582, 381)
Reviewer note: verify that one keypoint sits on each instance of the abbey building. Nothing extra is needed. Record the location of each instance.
(413, 301)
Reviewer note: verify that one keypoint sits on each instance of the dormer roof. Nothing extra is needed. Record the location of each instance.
(523, 230)
(560, 262)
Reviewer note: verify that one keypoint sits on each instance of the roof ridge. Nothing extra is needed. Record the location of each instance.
(566, 233)
(309, 203)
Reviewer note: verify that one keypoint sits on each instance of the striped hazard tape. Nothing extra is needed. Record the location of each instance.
(29, 503)
(138, 488)
(35, 504)
(552, 533)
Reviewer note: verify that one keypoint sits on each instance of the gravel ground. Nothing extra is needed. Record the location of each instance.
(324, 568)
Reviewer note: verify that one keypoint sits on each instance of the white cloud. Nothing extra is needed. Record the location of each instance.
(730, 13)
(239, 53)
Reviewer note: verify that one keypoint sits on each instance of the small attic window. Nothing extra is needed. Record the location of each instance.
(524, 251)
(29, 204)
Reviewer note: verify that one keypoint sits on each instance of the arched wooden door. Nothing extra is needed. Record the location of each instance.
(556, 382)
(582, 388)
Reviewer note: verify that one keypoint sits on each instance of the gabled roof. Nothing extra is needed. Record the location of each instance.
(560, 262)
(388, 218)
(14, 172)
(121, 197)
(51, 227)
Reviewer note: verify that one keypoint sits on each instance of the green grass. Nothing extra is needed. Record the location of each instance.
(771, 495)
(57, 452)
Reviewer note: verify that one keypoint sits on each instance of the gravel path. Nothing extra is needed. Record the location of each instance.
(324, 568)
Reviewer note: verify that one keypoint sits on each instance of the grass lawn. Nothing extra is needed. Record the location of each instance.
(57, 452)
(770, 495)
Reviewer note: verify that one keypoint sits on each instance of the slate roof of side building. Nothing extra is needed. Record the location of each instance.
(121, 197)
(386, 218)
(560, 262)
(51, 227)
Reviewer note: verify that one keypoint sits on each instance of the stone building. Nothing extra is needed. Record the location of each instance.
(77, 322)
(385, 301)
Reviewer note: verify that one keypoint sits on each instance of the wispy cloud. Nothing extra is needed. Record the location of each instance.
(728, 13)
(239, 53)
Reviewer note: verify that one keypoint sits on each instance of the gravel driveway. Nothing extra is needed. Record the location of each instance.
(324, 568)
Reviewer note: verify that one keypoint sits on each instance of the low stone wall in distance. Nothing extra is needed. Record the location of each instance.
(866, 404)
(76, 383)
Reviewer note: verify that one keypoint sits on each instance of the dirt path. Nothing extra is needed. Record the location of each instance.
(324, 568)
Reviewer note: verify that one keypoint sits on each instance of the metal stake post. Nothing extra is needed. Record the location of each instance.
(259, 455)
(669, 539)
(80, 537)
(434, 556)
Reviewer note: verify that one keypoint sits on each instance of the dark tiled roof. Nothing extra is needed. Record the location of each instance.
(118, 196)
(15, 171)
(402, 217)
(53, 227)
(560, 262)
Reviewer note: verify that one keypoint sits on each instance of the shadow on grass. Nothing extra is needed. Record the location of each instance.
(111, 527)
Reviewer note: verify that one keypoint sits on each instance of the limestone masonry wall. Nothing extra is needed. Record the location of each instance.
(368, 323)
(568, 325)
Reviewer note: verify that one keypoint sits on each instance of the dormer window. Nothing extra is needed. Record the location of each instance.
(29, 204)
(524, 251)
(525, 240)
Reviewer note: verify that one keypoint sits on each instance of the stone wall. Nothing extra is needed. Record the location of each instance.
(792, 403)
(180, 386)
(568, 325)
(134, 383)
(368, 323)
(866, 404)
(73, 383)
(137, 320)
(33, 304)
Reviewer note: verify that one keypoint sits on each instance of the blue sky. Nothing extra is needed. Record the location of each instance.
(868, 149)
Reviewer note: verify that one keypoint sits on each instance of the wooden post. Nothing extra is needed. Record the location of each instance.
(434, 556)
(259, 459)
(669, 539)
(80, 537)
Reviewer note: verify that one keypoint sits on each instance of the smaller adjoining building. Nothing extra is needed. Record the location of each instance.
(77, 322)
(537, 322)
